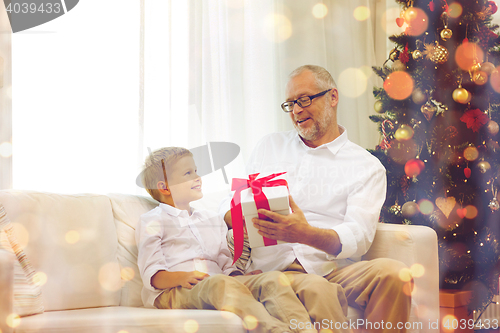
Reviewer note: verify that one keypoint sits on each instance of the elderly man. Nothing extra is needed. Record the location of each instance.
(340, 189)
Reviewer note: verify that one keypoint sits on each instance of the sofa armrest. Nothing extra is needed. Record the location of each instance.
(413, 244)
(6, 289)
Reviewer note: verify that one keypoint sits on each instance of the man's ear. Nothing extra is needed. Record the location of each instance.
(334, 97)
(163, 188)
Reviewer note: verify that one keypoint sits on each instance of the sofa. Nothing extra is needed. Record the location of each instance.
(84, 245)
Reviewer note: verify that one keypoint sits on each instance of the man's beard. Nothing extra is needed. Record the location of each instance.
(319, 127)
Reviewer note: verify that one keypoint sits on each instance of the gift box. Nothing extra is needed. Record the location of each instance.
(255, 189)
(453, 312)
(277, 198)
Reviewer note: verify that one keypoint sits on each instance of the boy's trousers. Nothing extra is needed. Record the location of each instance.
(266, 300)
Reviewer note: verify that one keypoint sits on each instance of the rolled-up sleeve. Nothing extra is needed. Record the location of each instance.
(364, 203)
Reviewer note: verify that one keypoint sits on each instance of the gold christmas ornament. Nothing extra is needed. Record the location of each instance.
(404, 133)
(418, 96)
(428, 110)
(476, 67)
(480, 78)
(484, 166)
(461, 95)
(410, 15)
(492, 127)
(398, 66)
(446, 34)
(471, 153)
(378, 107)
(487, 67)
(417, 54)
(394, 55)
(436, 53)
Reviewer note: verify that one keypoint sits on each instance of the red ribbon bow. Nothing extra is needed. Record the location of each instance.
(261, 201)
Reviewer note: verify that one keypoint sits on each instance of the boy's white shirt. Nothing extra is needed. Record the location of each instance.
(170, 239)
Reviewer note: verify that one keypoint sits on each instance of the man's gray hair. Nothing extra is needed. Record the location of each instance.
(324, 80)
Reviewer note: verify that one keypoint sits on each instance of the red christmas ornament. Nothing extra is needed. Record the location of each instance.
(414, 167)
(493, 6)
(465, 41)
(400, 21)
(431, 6)
(461, 212)
(467, 172)
(475, 119)
(404, 56)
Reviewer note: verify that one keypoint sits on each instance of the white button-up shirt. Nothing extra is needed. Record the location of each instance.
(338, 185)
(170, 239)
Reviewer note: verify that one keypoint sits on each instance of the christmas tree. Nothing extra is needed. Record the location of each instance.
(438, 115)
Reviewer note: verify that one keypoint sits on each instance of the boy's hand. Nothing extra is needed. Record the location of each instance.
(191, 279)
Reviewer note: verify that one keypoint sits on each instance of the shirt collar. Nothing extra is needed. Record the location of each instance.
(333, 146)
(183, 216)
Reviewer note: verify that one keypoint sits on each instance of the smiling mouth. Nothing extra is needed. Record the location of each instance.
(302, 120)
(198, 187)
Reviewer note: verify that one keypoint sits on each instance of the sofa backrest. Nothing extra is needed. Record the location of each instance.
(72, 240)
(127, 210)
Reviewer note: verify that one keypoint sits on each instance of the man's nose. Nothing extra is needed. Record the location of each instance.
(297, 108)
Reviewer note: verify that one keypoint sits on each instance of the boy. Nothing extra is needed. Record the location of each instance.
(184, 260)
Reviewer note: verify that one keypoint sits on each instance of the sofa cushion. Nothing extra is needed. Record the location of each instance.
(70, 239)
(27, 294)
(132, 320)
(127, 210)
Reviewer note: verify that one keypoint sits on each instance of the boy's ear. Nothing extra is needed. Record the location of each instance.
(163, 187)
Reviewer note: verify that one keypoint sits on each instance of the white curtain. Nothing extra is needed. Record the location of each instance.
(216, 70)
(94, 92)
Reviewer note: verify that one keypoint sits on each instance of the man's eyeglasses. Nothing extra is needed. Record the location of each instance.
(303, 102)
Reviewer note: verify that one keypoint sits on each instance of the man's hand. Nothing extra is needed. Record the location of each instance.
(289, 228)
(294, 228)
(191, 279)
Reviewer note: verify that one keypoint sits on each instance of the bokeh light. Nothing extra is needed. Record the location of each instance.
(471, 212)
(40, 278)
(191, 326)
(283, 280)
(405, 275)
(13, 320)
(398, 85)
(362, 13)
(277, 27)
(426, 207)
(22, 234)
(110, 277)
(448, 322)
(72, 236)
(455, 9)
(419, 22)
(409, 288)
(495, 79)
(471, 153)
(127, 273)
(352, 82)
(417, 270)
(6, 149)
(319, 10)
(227, 312)
(468, 54)
(250, 322)
(153, 228)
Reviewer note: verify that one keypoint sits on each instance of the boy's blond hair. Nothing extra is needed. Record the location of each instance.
(154, 170)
